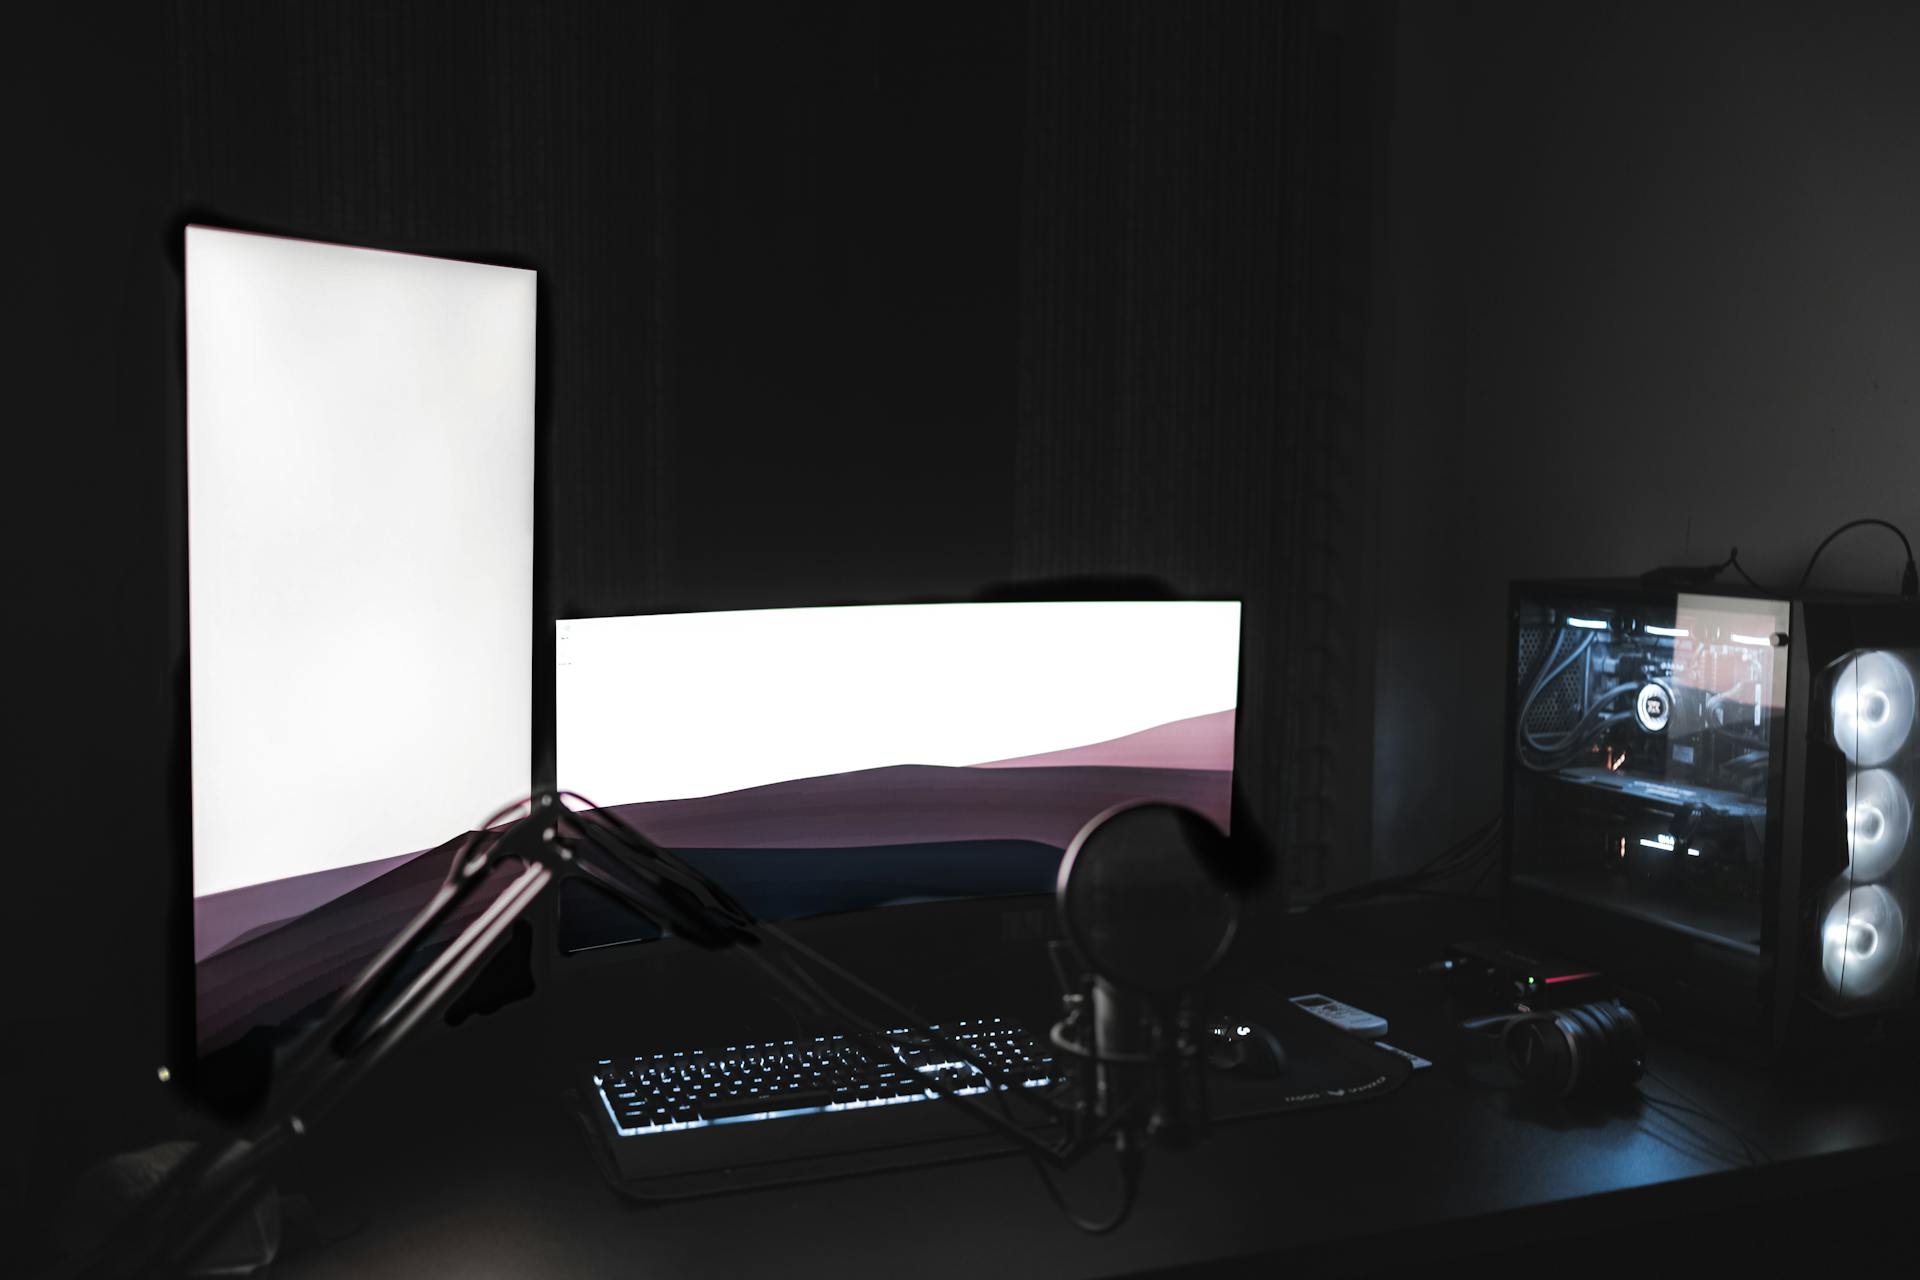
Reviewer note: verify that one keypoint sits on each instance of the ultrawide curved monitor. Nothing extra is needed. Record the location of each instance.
(832, 759)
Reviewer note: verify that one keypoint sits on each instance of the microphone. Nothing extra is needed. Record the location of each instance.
(1141, 902)
(1128, 1057)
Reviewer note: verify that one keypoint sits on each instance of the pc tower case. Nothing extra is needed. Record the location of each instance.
(1710, 796)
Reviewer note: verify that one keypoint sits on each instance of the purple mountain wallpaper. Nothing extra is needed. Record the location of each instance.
(270, 953)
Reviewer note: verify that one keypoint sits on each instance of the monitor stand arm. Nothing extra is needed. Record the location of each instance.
(187, 1214)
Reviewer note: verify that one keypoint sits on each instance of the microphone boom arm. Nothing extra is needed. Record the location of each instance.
(202, 1195)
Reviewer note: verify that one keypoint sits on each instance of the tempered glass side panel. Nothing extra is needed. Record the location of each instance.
(1647, 736)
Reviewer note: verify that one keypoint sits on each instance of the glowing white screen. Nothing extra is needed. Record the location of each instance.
(360, 533)
(678, 705)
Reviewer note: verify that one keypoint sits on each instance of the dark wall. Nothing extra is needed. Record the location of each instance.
(835, 274)
(850, 301)
(83, 917)
(1651, 290)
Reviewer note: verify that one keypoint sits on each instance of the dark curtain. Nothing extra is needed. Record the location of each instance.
(1194, 273)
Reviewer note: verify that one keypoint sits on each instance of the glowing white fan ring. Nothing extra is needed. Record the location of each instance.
(1873, 707)
(1865, 823)
(1861, 941)
(1859, 938)
(1878, 817)
(1857, 931)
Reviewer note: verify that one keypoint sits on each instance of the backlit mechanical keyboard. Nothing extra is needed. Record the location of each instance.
(786, 1099)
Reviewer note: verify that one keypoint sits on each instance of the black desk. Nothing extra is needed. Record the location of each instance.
(459, 1170)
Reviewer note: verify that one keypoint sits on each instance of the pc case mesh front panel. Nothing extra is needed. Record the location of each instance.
(1647, 733)
(1865, 948)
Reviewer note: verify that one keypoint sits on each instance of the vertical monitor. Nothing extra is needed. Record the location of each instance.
(360, 475)
(832, 759)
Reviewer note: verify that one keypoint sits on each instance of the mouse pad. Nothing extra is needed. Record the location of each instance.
(1326, 1067)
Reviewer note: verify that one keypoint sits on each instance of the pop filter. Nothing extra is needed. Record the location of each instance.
(1139, 897)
